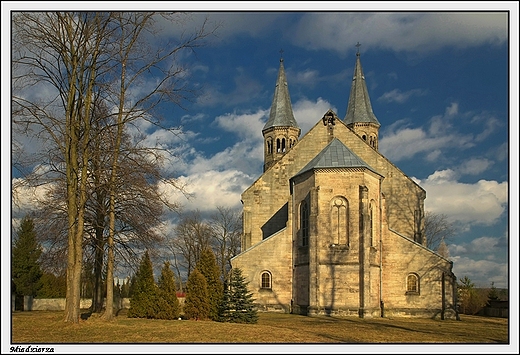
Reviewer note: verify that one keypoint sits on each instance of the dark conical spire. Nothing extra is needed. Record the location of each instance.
(281, 114)
(359, 108)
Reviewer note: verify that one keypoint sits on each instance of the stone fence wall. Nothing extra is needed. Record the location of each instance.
(58, 304)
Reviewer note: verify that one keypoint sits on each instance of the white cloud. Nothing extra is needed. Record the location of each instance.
(399, 141)
(481, 272)
(400, 97)
(212, 188)
(475, 166)
(246, 126)
(307, 113)
(404, 31)
(481, 203)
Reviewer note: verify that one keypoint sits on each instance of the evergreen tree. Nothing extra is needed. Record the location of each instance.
(208, 267)
(52, 286)
(125, 288)
(196, 303)
(143, 303)
(237, 304)
(492, 294)
(168, 304)
(26, 252)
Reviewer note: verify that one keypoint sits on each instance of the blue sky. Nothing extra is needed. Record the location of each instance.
(438, 83)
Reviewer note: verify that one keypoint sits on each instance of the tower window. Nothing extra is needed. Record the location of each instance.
(278, 147)
(269, 146)
(283, 145)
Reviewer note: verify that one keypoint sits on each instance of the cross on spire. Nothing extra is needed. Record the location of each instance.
(281, 55)
(358, 45)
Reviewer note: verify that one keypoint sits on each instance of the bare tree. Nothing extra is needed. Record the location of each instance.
(79, 59)
(135, 62)
(191, 236)
(226, 227)
(61, 53)
(437, 229)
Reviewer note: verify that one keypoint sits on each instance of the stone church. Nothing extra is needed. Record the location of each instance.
(332, 227)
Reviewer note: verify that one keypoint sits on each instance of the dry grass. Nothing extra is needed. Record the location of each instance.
(46, 327)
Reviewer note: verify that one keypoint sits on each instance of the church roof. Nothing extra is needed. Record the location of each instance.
(335, 155)
(281, 114)
(359, 108)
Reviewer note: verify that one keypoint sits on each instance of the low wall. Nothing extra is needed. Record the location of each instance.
(58, 304)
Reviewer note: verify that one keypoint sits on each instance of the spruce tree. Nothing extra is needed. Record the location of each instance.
(168, 304)
(52, 286)
(143, 303)
(208, 267)
(196, 304)
(25, 267)
(237, 304)
(492, 295)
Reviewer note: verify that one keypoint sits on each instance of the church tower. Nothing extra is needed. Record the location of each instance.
(281, 131)
(360, 117)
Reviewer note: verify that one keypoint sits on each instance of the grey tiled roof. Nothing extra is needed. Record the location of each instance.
(335, 155)
(281, 114)
(359, 108)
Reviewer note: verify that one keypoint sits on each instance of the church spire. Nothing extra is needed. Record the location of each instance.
(281, 114)
(281, 131)
(359, 108)
(360, 116)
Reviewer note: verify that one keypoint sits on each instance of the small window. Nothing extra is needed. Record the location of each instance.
(266, 280)
(304, 223)
(412, 283)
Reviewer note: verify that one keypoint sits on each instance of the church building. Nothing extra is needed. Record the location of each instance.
(332, 227)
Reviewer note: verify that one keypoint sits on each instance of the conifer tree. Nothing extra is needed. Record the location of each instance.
(25, 267)
(168, 306)
(208, 267)
(492, 294)
(237, 304)
(144, 298)
(196, 304)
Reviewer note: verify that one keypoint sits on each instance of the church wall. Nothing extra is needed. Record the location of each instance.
(348, 274)
(402, 257)
(274, 256)
(303, 185)
(403, 196)
(332, 265)
(271, 191)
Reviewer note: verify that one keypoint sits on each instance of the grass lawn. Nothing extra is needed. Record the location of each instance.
(47, 327)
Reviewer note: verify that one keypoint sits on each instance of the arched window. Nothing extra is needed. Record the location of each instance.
(283, 145)
(278, 148)
(339, 221)
(304, 223)
(266, 279)
(269, 146)
(412, 283)
(372, 225)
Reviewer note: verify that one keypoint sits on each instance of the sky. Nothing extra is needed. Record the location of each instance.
(440, 84)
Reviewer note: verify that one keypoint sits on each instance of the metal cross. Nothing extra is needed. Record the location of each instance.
(358, 45)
